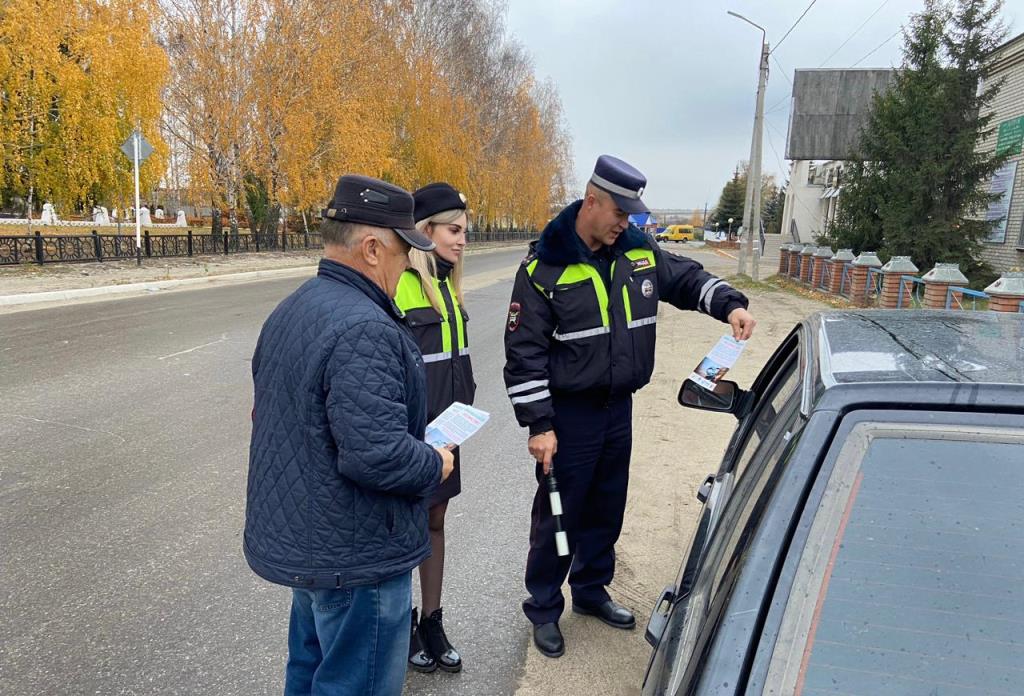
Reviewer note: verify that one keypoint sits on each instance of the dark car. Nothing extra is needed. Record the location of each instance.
(865, 531)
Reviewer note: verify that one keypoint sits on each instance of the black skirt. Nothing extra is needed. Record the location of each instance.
(450, 487)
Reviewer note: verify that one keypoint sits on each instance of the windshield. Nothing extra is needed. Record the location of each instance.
(911, 580)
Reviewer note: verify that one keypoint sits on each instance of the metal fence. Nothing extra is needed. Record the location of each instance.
(39, 248)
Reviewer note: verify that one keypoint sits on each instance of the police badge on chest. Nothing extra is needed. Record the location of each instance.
(647, 287)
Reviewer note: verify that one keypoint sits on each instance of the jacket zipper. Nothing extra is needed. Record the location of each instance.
(453, 328)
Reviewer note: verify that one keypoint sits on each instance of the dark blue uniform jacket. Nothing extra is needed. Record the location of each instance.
(585, 323)
(338, 472)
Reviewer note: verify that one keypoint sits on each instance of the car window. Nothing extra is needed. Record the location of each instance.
(765, 413)
(910, 581)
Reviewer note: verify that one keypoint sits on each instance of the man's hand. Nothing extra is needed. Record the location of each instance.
(447, 462)
(543, 447)
(742, 323)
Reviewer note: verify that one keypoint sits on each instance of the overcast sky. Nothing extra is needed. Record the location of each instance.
(669, 85)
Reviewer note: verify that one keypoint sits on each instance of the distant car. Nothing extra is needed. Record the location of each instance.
(863, 534)
(679, 233)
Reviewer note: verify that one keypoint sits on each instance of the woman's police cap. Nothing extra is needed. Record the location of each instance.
(622, 180)
(377, 203)
(436, 198)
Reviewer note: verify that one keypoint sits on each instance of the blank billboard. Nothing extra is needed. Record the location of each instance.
(830, 107)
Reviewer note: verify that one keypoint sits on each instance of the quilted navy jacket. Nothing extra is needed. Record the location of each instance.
(338, 471)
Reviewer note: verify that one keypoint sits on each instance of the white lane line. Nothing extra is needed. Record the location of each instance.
(191, 350)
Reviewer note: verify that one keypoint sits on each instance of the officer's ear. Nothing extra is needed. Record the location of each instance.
(371, 250)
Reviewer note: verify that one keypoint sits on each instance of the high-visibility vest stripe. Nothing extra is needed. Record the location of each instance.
(437, 357)
(586, 333)
(647, 321)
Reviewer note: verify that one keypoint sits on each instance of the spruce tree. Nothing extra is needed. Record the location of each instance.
(731, 202)
(920, 188)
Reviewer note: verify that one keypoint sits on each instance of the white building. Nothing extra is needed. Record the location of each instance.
(812, 199)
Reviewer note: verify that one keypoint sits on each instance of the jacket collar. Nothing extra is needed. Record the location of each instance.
(559, 245)
(346, 275)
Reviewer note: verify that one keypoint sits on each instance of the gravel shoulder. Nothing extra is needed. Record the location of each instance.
(673, 450)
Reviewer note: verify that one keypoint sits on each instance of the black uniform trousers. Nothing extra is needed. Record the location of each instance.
(595, 436)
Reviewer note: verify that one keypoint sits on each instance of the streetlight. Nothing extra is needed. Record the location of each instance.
(730, 229)
(752, 209)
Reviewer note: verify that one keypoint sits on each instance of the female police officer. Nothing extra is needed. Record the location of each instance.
(430, 294)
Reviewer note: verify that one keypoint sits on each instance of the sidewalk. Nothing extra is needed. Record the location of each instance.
(32, 285)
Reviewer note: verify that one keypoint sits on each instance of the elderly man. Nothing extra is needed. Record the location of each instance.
(338, 471)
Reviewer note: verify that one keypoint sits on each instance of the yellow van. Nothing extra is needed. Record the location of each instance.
(679, 233)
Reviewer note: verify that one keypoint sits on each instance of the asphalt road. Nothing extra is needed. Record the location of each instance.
(124, 428)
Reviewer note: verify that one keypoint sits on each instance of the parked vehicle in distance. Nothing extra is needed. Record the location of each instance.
(679, 233)
(862, 534)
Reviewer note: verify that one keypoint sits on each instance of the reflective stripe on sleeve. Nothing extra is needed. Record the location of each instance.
(587, 333)
(637, 323)
(527, 386)
(711, 294)
(531, 397)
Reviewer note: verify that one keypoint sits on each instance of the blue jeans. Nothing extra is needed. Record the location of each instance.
(350, 642)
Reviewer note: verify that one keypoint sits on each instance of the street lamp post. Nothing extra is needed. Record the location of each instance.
(730, 230)
(752, 208)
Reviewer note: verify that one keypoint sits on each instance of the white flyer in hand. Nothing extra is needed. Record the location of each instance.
(718, 362)
(457, 424)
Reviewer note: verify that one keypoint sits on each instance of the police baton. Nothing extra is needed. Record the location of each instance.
(561, 540)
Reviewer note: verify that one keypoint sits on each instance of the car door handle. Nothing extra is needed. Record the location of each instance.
(705, 488)
(659, 617)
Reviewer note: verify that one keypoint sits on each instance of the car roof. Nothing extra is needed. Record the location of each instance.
(877, 346)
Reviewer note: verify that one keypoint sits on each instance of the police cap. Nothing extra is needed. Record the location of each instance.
(377, 203)
(436, 198)
(622, 180)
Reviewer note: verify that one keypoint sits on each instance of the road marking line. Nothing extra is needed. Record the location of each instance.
(190, 350)
(66, 425)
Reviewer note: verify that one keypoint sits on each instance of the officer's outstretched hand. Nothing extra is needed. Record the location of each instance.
(447, 461)
(543, 447)
(742, 323)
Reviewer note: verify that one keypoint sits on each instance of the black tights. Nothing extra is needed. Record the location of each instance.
(432, 569)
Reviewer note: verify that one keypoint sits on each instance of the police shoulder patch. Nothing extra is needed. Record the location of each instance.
(514, 311)
(643, 262)
(528, 259)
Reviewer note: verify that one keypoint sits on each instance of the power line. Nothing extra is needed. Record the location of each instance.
(794, 25)
(872, 52)
(782, 69)
(855, 32)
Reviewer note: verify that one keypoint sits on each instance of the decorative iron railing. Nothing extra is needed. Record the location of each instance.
(39, 248)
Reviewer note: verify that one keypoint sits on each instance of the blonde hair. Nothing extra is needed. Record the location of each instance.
(425, 265)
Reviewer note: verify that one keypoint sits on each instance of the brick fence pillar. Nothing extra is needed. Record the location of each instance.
(897, 267)
(938, 280)
(859, 277)
(1007, 293)
(795, 260)
(819, 259)
(806, 261)
(839, 261)
(784, 259)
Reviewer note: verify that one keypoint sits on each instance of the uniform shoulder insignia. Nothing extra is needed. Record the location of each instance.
(528, 259)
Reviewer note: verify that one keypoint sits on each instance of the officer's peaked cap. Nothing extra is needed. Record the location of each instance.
(622, 180)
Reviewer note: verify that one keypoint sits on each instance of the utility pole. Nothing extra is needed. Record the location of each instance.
(752, 204)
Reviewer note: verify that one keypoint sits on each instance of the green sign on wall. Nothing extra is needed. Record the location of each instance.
(1011, 136)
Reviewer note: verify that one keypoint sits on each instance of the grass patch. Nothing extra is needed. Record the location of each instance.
(777, 283)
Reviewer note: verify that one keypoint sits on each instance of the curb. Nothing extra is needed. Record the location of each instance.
(127, 289)
(151, 286)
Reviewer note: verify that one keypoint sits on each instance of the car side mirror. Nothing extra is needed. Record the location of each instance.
(726, 397)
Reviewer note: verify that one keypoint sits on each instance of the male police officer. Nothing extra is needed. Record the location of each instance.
(579, 341)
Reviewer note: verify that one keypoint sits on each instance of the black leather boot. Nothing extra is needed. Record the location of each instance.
(419, 659)
(437, 645)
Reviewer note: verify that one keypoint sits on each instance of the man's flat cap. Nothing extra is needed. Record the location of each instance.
(436, 198)
(622, 180)
(377, 203)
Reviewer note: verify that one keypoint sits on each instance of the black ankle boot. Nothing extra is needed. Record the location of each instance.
(419, 659)
(437, 645)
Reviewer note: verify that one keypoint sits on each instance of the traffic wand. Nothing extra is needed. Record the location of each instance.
(561, 539)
